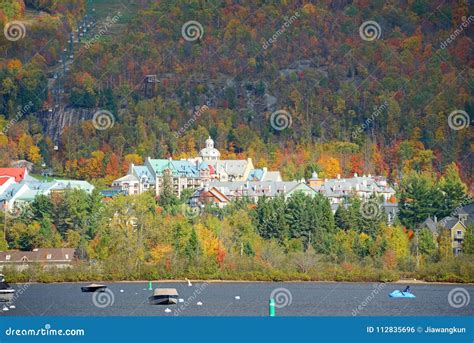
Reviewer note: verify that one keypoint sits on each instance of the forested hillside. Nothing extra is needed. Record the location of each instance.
(377, 105)
(336, 87)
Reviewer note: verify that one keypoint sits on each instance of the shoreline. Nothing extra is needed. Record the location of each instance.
(401, 281)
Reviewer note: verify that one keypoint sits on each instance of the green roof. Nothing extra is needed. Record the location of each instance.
(29, 195)
(159, 165)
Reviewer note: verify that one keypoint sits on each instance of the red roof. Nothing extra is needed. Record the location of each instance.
(3, 180)
(17, 173)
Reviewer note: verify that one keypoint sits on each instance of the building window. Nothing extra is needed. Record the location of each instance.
(8, 257)
(48, 257)
(459, 233)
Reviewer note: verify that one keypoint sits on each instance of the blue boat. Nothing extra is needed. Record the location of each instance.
(400, 294)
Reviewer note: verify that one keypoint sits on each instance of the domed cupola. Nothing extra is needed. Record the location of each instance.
(209, 153)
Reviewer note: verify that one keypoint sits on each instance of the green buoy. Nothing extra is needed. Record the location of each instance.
(271, 307)
(150, 286)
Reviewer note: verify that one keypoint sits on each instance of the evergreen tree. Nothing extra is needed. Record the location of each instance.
(322, 223)
(271, 221)
(193, 247)
(300, 216)
(168, 200)
(454, 191)
(42, 207)
(46, 234)
(417, 197)
(372, 216)
(342, 218)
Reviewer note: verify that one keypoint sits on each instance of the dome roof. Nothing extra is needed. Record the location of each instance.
(209, 152)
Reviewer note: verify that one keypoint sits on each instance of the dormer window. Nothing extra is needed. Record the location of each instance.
(48, 257)
(8, 257)
(67, 256)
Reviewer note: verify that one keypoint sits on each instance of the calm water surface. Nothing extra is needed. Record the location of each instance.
(241, 299)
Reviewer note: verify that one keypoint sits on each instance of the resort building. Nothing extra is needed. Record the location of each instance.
(257, 189)
(17, 188)
(191, 173)
(45, 257)
(218, 181)
(339, 190)
(456, 223)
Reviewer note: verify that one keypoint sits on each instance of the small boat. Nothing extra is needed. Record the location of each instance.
(400, 294)
(94, 287)
(6, 291)
(164, 296)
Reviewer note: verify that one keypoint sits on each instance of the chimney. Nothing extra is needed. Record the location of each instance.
(436, 220)
(338, 176)
(355, 175)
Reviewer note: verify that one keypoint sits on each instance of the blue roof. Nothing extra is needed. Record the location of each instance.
(203, 165)
(143, 170)
(255, 175)
(10, 191)
(37, 185)
(109, 193)
(185, 168)
(30, 178)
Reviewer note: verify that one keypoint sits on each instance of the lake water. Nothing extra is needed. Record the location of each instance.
(244, 299)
